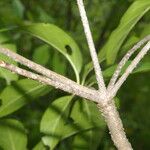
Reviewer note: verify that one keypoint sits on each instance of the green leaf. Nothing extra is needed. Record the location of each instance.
(40, 146)
(13, 136)
(41, 55)
(61, 41)
(128, 21)
(59, 64)
(53, 121)
(19, 93)
(86, 115)
(4, 73)
(57, 124)
(118, 36)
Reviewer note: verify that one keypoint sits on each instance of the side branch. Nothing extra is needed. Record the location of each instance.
(33, 66)
(124, 60)
(72, 88)
(130, 68)
(91, 45)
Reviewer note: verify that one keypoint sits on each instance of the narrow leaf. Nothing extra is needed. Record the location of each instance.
(128, 21)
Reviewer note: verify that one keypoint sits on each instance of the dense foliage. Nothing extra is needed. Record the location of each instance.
(39, 117)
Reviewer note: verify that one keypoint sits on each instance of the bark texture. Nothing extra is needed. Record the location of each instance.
(115, 126)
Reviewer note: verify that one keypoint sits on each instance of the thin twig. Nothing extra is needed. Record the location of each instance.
(91, 45)
(130, 68)
(124, 60)
(74, 88)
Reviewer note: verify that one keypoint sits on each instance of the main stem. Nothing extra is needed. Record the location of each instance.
(108, 109)
(115, 126)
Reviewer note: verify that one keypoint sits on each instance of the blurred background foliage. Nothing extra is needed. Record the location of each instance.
(104, 17)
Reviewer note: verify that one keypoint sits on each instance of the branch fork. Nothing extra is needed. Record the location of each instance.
(103, 96)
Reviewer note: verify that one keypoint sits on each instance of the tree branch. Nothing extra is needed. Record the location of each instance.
(36, 67)
(91, 45)
(124, 60)
(130, 68)
(72, 88)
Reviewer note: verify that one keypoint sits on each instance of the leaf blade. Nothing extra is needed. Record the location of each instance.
(12, 135)
(60, 40)
(128, 21)
(55, 126)
(20, 93)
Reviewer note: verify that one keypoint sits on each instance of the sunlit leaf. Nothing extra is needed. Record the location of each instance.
(128, 21)
(61, 41)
